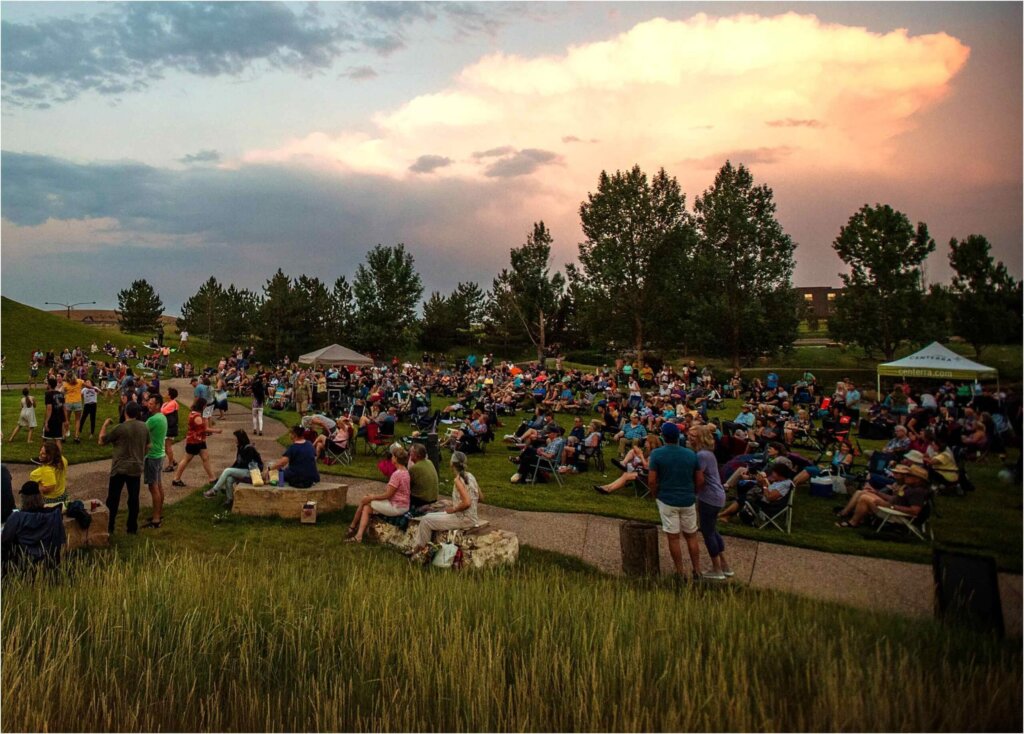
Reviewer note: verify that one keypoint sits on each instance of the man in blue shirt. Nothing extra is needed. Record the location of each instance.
(674, 479)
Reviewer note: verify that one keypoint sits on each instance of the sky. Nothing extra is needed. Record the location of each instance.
(175, 141)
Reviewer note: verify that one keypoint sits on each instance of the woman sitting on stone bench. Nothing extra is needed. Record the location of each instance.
(462, 513)
(393, 503)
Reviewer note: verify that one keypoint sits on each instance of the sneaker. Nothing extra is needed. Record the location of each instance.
(728, 573)
(712, 576)
(211, 492)
(515, 478)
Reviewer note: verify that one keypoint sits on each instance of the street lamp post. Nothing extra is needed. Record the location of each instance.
(70, 306)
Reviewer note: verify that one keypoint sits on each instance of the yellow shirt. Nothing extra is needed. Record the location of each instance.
(73, 393)
(47, 477)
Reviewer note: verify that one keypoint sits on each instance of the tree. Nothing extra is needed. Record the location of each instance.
(525, 295)
(279, 317)
(743, 270)
(342, 311)
(387, 289)
(139, 308)
(201, 313)
(239, 318)
(438, 326)
(638, 239)
(986, 300)
(314, 317)
(879, 308)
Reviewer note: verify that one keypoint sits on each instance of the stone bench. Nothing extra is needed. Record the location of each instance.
(481, 546)
(96, 535)
(287, 503)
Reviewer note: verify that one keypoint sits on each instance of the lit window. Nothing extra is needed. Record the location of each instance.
(831, 296)
(808, 296)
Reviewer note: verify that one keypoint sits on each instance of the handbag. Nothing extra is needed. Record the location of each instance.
(445, 556)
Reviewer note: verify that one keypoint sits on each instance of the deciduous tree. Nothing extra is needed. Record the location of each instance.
(387, 289)
(986, 300)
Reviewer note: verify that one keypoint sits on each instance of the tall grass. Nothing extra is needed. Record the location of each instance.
(257, 640)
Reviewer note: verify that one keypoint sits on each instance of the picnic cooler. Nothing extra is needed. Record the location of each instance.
(827, 485)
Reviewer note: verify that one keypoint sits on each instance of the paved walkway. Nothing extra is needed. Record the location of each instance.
(869, 583)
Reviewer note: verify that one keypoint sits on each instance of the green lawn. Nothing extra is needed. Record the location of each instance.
(20, 451)
(239, 624)
(987, 520)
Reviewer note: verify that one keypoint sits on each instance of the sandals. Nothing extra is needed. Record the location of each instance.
(844, 524)
(154, 524)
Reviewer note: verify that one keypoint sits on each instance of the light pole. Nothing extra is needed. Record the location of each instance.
(70, 306)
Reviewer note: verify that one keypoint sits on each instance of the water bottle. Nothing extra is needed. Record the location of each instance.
(280, 478)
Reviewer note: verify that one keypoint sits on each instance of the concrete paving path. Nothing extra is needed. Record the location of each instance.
(868, 583)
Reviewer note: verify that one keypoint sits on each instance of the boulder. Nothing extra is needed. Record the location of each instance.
(481, 547)
(96, 534)
(287, 503)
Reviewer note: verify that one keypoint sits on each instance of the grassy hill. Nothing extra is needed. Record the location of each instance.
(23, 329)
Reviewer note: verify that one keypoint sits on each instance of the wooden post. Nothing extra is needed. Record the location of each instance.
(639, 541)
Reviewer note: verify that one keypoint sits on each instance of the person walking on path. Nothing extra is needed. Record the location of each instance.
(170, 411)
(156, 424)
(674, 480)
(126, 464)
(259, 395)
(195, 442)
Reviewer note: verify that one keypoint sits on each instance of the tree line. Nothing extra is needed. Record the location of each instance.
(652, 275)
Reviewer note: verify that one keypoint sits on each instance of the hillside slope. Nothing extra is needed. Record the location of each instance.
(23, 329)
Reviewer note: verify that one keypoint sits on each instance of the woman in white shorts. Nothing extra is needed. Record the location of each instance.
(27, 416)
(393, 503)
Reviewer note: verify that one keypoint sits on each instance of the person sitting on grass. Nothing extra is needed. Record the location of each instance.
(245, 454)
(393, 503)
(463, 511)
(298, 462)
(52, 473)
(908, 496)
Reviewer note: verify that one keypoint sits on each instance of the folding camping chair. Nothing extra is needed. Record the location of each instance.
(917, 524)
(545, 465)
(763, 519)
(375, 440)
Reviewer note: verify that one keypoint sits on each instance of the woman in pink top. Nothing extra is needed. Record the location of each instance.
(393, 503)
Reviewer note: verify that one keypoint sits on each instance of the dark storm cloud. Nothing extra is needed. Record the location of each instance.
(520, 164)
(428, 163)
(127, 47)
(243, 224)
(203, 156)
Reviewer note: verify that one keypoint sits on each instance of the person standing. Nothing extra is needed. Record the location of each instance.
(302, 395)
(674, 479)
(156, 424)
(27, 416)
(170, 411)
(89, 397)
(710, 500)
(259, 396)
(126, 465)
(195, 442)
(73, 404)
(183, 340)
(53, 423)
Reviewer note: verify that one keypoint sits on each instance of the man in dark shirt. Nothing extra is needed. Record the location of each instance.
(674, 479)
(130, 440)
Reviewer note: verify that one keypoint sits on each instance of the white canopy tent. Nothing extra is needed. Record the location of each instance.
(334, 354)
(939, 362)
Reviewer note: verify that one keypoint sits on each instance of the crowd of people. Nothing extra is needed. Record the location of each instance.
(700, 470)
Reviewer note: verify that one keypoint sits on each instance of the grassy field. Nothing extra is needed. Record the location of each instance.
(256, 625)
(20, 451)
(986, 521)
(25, 329)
